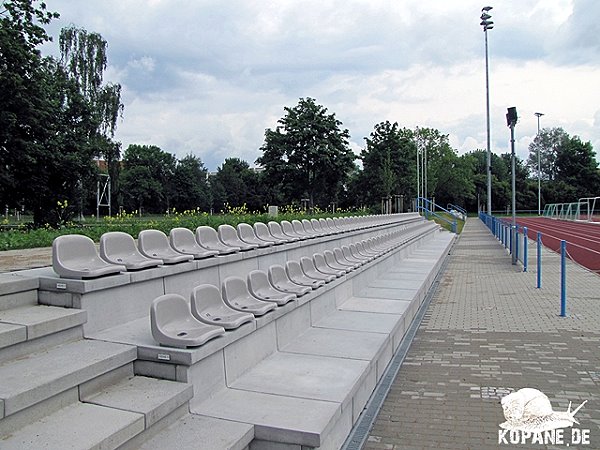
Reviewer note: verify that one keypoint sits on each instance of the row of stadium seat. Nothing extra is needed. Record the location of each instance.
(75, 256)
(175, 322)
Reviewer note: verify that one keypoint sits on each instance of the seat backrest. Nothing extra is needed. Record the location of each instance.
(298, 227)
(205, 296)
(149, 240)
(228, 234)
(293, 269)
(207, 235)
(277, 274)
(73, 247)
(169, 308)
(257, 279)
(288, 228)
(234, 287)
(246, 231)
(117, 243)
(262, 231)
(307, 224)
(182, 238)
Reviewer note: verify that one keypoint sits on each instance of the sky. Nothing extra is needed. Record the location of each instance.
(208, 77)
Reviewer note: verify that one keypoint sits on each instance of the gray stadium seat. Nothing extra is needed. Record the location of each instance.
(288, 230)
(295, 273)
(208, 238)
(280, 280)
(262, 232)
(173, 325)
(333, 263)
(309, 269)
(301, 231)
(236, 295)
(247, 234)
(276, 230)
(322, 266)
(184, 241)
(261, 288)
(155, 244)
(117, 247)
(341, 259)
(228, 236)
(208, 306)
(75, 256)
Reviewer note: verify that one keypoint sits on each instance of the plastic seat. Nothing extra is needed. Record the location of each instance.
(357, 254)
(341, 259)
(288, 229)
(333, 263)
(236, 296)
(319, 228)
(173, 325)
(75, 256)
(322, 266)
(277, 232)
(362, 247)
(301, 231)
(261, 288)
(247, 235)
(333, 225)
(295, 273)
(308, 228)
(228, 236)
(263, 233)
(326, 227)
(309, 269)
(280, 280)
(208, 238)
(350, 257)
(184, 241)
(117, 247)
(155, 244)
(207, 306)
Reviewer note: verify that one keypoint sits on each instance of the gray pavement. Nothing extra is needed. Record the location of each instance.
(489, 332)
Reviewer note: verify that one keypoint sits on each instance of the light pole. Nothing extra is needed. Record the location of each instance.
(487, 24)
(511, 121)
(538, 115)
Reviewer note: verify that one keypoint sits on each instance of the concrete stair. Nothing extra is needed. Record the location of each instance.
(58, 390)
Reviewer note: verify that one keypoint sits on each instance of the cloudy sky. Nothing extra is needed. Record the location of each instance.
(208, 77)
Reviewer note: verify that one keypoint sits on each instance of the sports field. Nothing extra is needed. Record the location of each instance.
(583, 238)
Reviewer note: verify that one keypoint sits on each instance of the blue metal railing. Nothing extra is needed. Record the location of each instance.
(503, 231)
(451, 206)
(428, 208)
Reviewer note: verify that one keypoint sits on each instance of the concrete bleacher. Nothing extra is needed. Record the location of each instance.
(296, 377)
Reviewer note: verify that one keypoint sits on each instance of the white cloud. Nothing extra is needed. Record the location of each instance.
(208, 77)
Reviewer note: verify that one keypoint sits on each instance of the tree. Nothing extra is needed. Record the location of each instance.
(548, 143)
(189, 185)
(146, 179)
(388, 165)
(237, 185)
(307, 155)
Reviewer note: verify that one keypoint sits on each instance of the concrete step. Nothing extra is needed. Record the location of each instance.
(79, 426)
(37, 376)
(153, 398)
(26, 323)
(17, 290)
(195, 432)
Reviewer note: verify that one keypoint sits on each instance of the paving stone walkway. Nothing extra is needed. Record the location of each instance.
(488, 332)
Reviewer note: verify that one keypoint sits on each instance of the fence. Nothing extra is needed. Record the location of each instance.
(428, 208)
(516, 240)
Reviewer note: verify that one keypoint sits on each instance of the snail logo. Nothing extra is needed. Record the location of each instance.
(531, 419)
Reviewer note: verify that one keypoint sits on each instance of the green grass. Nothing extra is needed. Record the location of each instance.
(459, 223)
(24, 237)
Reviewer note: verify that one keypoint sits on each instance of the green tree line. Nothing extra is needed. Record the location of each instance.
(58, 118)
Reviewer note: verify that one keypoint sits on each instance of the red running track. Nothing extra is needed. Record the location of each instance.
(583, 238)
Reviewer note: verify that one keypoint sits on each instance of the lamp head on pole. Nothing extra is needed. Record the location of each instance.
(511, 116)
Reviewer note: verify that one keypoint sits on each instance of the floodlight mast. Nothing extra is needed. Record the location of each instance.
(487, 24)
(538, 115)
(511, 121)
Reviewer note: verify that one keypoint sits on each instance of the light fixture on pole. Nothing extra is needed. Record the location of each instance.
(487, 24)
(511, 121)
(538, 115)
